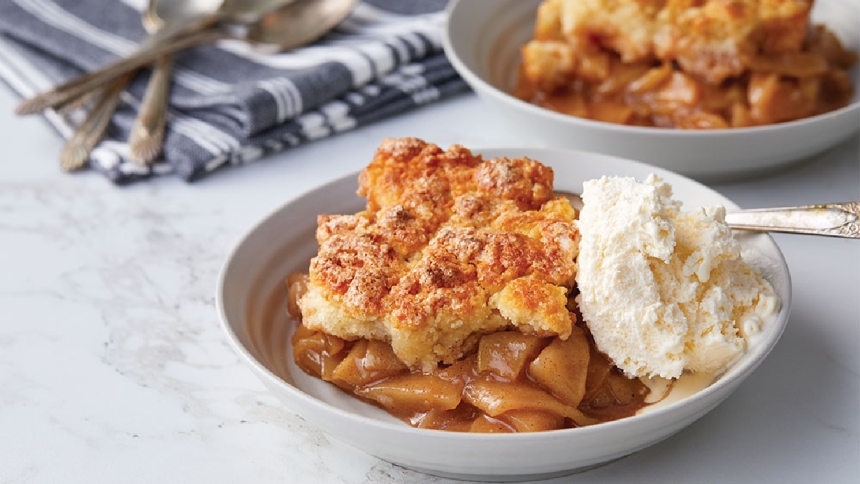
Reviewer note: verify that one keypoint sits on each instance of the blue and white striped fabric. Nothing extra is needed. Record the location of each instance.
(231, 104)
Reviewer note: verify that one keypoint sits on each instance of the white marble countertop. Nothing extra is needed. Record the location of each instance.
(113, 367)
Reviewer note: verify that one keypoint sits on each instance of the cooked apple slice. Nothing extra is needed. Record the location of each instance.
(489, 425)
(459, 419)
(496, 397)
(317, 353)
(506, 353)
(562, 367)
(532, 420)
(367, 362)
(624, 389)
(598, 369)
(412, 392)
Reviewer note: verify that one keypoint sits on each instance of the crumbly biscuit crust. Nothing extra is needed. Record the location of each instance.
(710, 39)
(449, 247)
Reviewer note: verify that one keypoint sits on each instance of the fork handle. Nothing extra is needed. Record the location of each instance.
(834, 219)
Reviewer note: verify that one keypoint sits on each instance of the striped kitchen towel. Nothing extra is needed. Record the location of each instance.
(232, 104)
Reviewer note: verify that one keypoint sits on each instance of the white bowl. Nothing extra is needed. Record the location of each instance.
(482, 39)
(251, 300)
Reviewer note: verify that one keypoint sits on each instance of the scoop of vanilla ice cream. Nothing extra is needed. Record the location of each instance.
(663, 290)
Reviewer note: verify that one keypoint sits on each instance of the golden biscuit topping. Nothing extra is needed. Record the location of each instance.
(450, 247)
(692, 64)
(712, 39)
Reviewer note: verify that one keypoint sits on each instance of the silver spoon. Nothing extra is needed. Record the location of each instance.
(831, 219)
(67, 96)
(147, 134)
(77, 149)
(314, 16)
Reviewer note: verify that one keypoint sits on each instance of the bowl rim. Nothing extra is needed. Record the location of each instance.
(453, 52)
(702, 397)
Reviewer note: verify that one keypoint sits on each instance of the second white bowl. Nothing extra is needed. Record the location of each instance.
(482, 39)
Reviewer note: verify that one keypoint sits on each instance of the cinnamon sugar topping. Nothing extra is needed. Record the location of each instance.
(449, 247)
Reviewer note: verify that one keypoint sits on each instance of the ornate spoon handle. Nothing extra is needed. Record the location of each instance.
(77, 149)
(147, 133)
(833, 219)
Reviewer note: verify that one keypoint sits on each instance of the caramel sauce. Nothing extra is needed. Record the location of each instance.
(513, 382)
(775, 89)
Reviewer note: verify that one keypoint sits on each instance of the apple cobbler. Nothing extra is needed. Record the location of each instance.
(447, 301)
(695, 64)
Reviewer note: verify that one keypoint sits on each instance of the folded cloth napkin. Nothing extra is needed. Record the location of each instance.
(230, 103)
